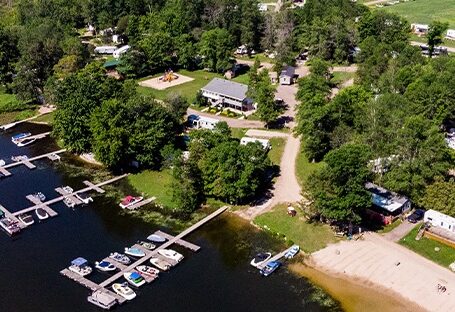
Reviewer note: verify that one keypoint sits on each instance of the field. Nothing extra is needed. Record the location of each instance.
(305, 168)
(426, 247)
(425, 11)
(309, 236)
(11, 109)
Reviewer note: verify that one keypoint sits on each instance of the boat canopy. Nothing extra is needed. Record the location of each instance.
(135, 275)
(79, 262)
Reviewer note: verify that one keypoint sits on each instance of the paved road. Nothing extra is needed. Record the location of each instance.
(415, 43)
(232, 122)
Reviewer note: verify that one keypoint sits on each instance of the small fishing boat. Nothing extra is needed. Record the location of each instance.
(134, 278)
(2, 163)
(260, 258)
(156, 238)
(148, 271)
(129, 201)
(102, 299)
(83, 197)
(26, 218)
(124, 290)
(171, 254)
(19, 158)
(147, 245)
(80, 266)
(270, 268)
(292, 252)
(68, 189)
(120, 258)
(41, 214)
(135, 252)
(11, 227)
(20, 136)
(105, 266)
(25, 142)
(69, 202)
(160, 264)
(40, 196)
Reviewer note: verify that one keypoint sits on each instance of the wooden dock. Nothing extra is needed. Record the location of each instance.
(28, 162)
(141, 203)
(12, 217)
(4, 172)
(94, 187)
(179, 242)
(274, 258)
(73, 198)
(170, 242)
(36, 201)
(39, 136)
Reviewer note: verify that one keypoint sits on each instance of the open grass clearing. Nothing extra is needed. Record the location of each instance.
(305, 168)
(309, 236)
(426, 248)
(341, 77)
(277, 149)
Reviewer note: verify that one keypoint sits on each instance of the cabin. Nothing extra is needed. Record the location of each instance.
(105, 49)
(227, 94)
(262, 7)
(202, 122)
(264, 142)
(287, 75)
(386, 205)
(117, 53)
(439, 220)
(420, 29)
(242, 50)
(450, 34)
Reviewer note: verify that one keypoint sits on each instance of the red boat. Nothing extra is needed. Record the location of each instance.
(129, 201)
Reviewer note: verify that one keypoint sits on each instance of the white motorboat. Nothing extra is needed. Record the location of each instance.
(135, 252)
(147, 271)
(41, 214)
(2, 163)
(18, 137)
(124, 290)
(25, 142)
(105, 266)
(10, 226)
(26, 218)
(160, 264)
(68, 189)
(19, 158)
(102, 299)
(69, 202)
(171, 254)
(292, 252)
(80, 266)
(120, 258)
(260, 258)
(134, 278)
(156, 238)
(83, 197)
(40, 196)
(130, 201)
(147, 245)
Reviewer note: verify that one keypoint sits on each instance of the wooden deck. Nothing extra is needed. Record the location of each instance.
(4, 172)
(141, 203)
(94, 187)
(179, 242)
(73, 198)
(12, 217)
(28, 162)
(36, 201)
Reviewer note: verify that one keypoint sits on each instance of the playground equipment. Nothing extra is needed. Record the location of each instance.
(168, 76)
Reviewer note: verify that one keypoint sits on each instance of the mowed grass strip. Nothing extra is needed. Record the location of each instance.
(309, 236)
(426, 247)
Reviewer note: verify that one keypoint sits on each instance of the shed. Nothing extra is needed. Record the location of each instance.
(264, 142)
(287, 76)
(450, 34)
(440, 220)
(387, 201)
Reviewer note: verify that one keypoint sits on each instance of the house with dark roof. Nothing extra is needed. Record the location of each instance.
(226, 93)
(287, 75)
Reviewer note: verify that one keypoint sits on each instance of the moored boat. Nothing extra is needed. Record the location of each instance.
(40, 196)
(124, 290)
(148, 271)
(129, 201)
(26, 218)
(2, 163)
(156, 238)
(41, 214)
(80, 266)
(83, 197)
(120, 258)
(160, 264)
(20, 136)
(147, 245)
(134, 278)
(292, 252)
(260, 258)
(68, 189)
(69, 202)
(105, 266)
(25, 142)
(10, 226)
(270, 268)
(135, 252)
(19, 158)
(171, 254)
(102, 299)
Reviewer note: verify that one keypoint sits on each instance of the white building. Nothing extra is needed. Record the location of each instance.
(264, 142)
(262, 7)
(440, 220)
(450, 34)
(287, 76)
(117, 53)
(420, 29)
(226, 93)
(202, 122)
(105, 49)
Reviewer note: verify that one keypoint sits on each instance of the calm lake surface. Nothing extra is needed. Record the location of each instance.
(217, 278)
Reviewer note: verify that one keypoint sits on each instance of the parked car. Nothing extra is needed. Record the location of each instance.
(416, 216)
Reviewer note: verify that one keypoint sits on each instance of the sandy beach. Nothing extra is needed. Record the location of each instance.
(373, 263)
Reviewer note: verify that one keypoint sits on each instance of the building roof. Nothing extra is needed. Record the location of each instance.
(433, 214)
(227, 88)
(288, 72)
(111, 63)
(384, 198)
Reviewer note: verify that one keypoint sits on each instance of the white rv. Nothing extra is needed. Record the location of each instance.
(265, 143)
(105, 49)
(117, 53)
(440, 220)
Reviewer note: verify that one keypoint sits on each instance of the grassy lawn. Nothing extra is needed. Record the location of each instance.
(309, 236)
(305, 168)
(425, 11)
(277, 149)
(425, 247)
(188, 90)
(154, 183)
(48, 118)
(261, 56)
(341, 77)
(242, 79)
(238, 133)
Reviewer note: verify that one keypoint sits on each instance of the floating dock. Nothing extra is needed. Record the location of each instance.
(12, 217)
(274, 258)
(148, 254)
(36, 201)
(28, 162)
(141, 203)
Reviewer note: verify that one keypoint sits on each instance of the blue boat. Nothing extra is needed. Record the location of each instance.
(292, 252)
(270, 268)
(105, 266)
(20, 136)
(135, 252)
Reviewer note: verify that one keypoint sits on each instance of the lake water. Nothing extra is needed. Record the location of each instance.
(217, 278)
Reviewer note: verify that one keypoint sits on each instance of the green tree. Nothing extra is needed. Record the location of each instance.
(158, 48)
(253, 78)
(440, 196)
(8, 55)
(435, 35)
(133, 63)
(268, 110)
(215, 47)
